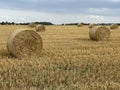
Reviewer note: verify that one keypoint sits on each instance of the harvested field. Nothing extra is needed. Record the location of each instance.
(69, 61)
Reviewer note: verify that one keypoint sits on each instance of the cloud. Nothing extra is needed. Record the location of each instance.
(96, 17)
(57, 4)
(21, 19)
(60, 10)
(4, 17)
(115, 1)
(98, 10)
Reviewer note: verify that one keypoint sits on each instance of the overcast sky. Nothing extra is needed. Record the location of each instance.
(60, 11)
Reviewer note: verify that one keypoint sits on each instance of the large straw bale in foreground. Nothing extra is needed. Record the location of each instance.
(32, 25)
(40, 28)
(114, 26)
(91, 25)
(99, 33)
(24, 43)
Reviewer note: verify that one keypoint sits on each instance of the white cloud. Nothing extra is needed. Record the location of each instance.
(32, 16)
(64, 0)
(96, 17)
(110, 0)
(31, 0)
(114, 0)
(98, 10)
(4, 17)
(21, 19)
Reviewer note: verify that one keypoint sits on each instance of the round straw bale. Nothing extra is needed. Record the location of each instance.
(99, 33)
(114, 26)
(40, 28)
(91, 25)
(24, 43)
(80, 24)
(32, 25)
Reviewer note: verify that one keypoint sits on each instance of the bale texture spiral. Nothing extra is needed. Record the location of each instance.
(91, 25)
(114, 26)
(32, 25)
(40, 28)
(24, 42)
(99, 33)
(80, 25)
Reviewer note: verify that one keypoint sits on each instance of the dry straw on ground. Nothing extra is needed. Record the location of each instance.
(40, 28)
(91, 25)
(32, 25)
(80, 25)
(114, 26)
(24, 42)
(99, 33)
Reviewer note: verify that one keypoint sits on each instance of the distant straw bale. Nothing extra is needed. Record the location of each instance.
(24, 43)
(91, 25)
(40, 28)
(114, 26)
(80, 25)
(32, 25)
(99, 33)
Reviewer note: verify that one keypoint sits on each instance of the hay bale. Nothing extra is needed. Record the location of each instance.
(114, 26)
(24, 43)
(40, 28)
(99, 33)
(91, 25)
(32, 25)
(79, 24)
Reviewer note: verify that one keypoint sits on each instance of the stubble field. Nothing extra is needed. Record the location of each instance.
(69, 61)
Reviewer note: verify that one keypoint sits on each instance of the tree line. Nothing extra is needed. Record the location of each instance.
(48, 23)
(13, 23)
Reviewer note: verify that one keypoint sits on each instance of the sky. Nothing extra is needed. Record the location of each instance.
(60, 11)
